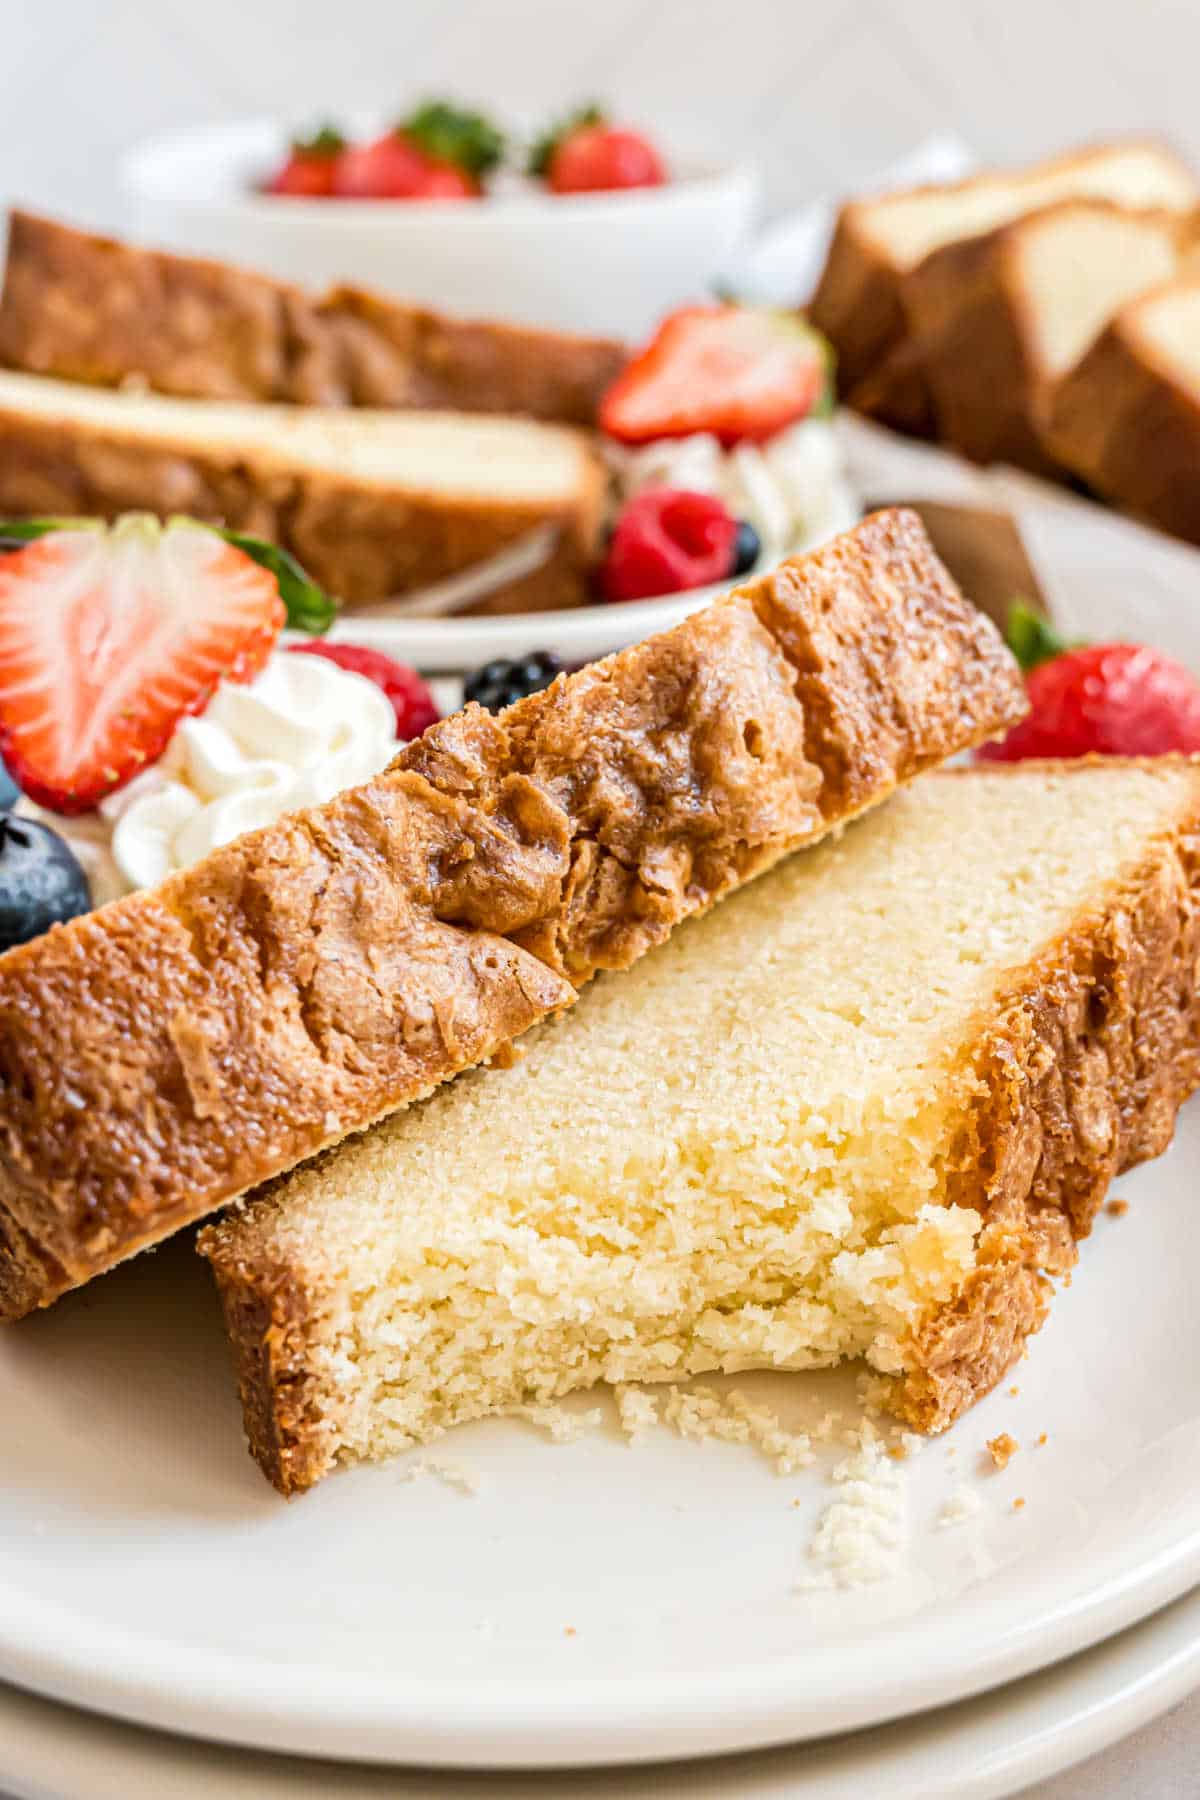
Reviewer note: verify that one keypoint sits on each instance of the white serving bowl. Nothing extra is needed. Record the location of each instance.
(610, 263)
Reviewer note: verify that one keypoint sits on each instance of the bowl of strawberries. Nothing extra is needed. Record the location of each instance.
(587, 222)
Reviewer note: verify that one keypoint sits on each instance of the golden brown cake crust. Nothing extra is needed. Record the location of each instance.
(362, 543)
(857, 299)
(1080, 1075)
(966, 338)
(88, 308)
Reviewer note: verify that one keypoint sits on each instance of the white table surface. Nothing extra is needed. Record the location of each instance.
(1160, 1762)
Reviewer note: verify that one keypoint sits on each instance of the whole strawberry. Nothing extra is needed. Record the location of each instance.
(439, 152)
(1097, 699)
(308, 171)
(586, 154)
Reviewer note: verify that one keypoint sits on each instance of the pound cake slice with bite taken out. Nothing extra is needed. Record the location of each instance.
(862, 1109)
(183, 1044)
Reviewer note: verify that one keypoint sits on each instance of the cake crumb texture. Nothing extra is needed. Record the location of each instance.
(962, 1505)
(861, 1536)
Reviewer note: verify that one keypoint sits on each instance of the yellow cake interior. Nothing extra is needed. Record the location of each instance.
(734, 1155)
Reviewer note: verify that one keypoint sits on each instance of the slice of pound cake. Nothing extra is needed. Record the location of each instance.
(862, 1109)
(181, 1045)
(373, 502)
(88, 308)
(1127, 416)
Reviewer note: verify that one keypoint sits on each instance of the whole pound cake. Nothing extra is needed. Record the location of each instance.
(165, 1054)
(862, 1109)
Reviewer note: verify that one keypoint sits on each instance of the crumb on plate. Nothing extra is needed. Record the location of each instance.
(1002, 1449)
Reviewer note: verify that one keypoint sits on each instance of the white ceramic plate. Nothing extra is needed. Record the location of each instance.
(981, 1749)
(577, 634)
(593, 1602)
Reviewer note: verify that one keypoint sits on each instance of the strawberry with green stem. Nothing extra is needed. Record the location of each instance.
(309, 169)
(1111, 699)
(439, 152)
(586, 154)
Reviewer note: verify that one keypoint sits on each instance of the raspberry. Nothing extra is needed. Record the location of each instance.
(1106, 700)
(667, 540)
(412, 702)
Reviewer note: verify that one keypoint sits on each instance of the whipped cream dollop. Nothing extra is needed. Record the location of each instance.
(792, 488)
(295, 736)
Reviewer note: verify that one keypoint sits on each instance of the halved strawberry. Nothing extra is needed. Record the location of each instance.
(739, 372)
(109, 635)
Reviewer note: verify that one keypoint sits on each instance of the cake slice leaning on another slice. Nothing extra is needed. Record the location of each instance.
(165, 1054)
(860, 1109)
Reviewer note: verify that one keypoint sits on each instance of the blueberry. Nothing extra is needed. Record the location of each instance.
(747, 548)
(497, 684)
(41, 883)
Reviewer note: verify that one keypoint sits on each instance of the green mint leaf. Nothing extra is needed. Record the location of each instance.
(309, 607)
(541, 153)
(1031, 637)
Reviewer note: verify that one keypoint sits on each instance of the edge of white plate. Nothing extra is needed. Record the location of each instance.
(981, 1749)
(176, 1687)
(576, 633)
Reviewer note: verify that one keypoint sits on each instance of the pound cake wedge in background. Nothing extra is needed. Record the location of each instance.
(997, 319)
(373, 503)
(1127, 417)
(858, 303)
(83, 307)
(862, 1109)
(181, 1045)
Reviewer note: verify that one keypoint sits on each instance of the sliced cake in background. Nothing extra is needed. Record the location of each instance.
(862, 1109)
(997, 319)
(83, 307)
(1126, 418)
(858, 303)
